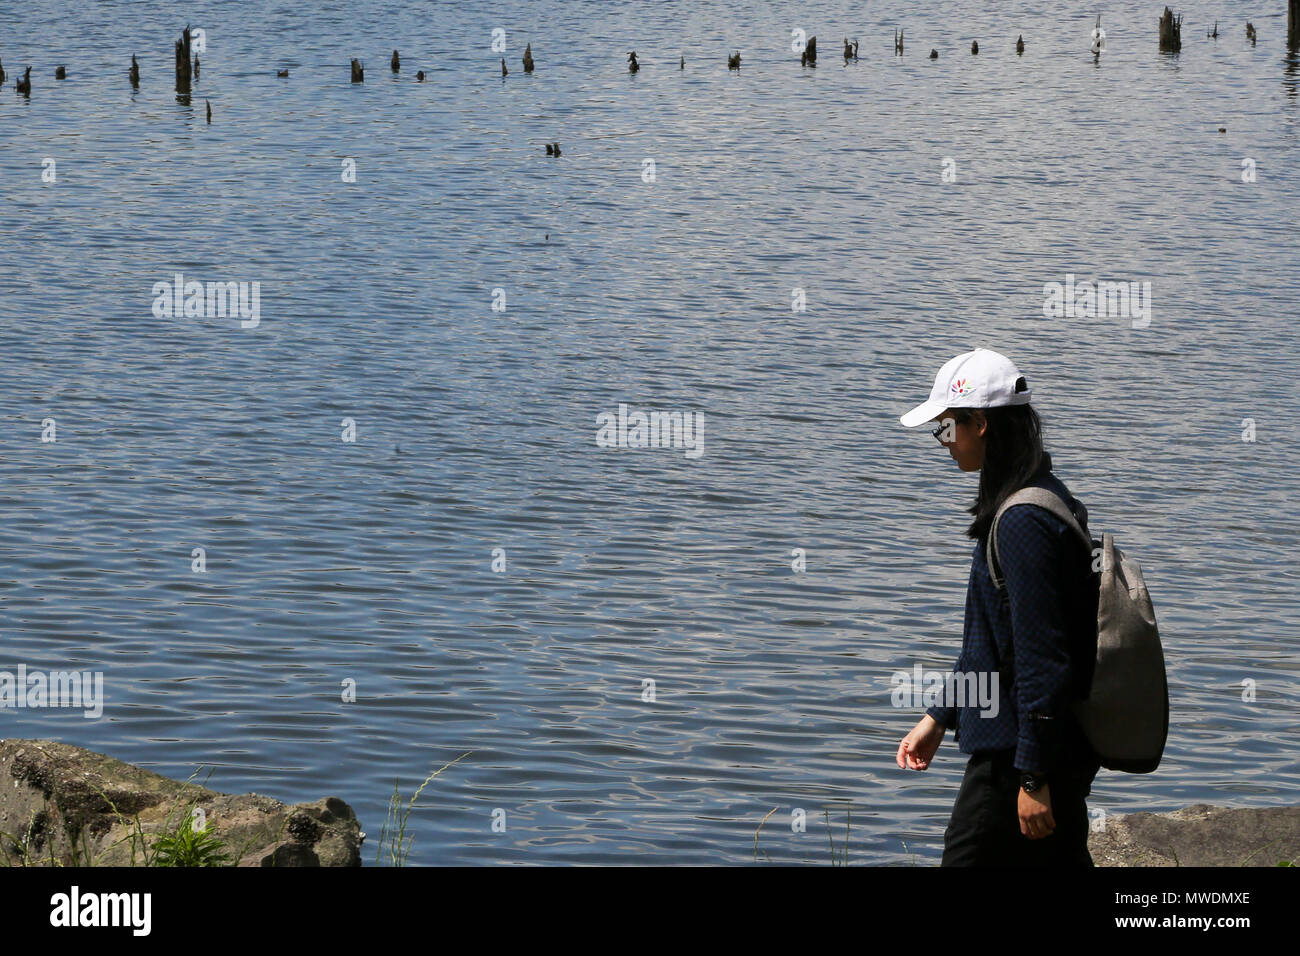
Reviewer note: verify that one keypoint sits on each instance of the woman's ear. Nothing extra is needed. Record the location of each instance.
(981, 424)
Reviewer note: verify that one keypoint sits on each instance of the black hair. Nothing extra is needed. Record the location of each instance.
(1013, 455)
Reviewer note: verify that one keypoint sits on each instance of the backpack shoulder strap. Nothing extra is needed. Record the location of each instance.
(1030, 496)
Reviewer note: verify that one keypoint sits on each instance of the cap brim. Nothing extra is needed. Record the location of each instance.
(926, 411)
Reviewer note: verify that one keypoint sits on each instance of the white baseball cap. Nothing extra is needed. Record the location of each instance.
(978, 379)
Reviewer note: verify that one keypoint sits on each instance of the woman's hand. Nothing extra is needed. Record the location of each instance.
(1036, 813)
(917, 748)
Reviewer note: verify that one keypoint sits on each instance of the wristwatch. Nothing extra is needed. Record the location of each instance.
(1029, 782)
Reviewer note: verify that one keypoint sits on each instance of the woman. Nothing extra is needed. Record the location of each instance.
(1022, 800)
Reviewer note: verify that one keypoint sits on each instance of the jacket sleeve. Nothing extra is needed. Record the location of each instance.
(946, 716)
(944, 713)
(1030, 555)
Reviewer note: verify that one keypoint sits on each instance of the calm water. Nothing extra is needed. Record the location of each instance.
(475, 429)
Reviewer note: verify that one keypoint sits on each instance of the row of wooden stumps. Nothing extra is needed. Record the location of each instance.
(1171, 29)
(528, 61)
(187, 69)
(359, 69)
(1171, 41)
(187, 62)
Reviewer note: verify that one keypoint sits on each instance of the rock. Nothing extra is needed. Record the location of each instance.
(72, 806)
(1199, 835)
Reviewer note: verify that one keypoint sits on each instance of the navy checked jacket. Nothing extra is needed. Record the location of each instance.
(1040, 632)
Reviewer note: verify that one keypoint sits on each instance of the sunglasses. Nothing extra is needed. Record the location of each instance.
(957, 418)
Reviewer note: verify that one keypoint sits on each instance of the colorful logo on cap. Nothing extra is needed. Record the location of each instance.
(963, 386)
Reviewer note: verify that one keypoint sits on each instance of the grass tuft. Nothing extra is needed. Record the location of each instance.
(393, 836)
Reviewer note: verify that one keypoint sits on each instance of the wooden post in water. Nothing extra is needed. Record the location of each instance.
(183, 67)
(1293, 24)
(809, 55)
(1171, 32)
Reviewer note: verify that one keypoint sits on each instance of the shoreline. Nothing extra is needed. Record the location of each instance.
(63, 805)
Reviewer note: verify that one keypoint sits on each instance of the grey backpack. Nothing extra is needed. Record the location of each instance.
(1126, 712)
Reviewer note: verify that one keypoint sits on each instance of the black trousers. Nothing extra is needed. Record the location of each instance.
(985, 825)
